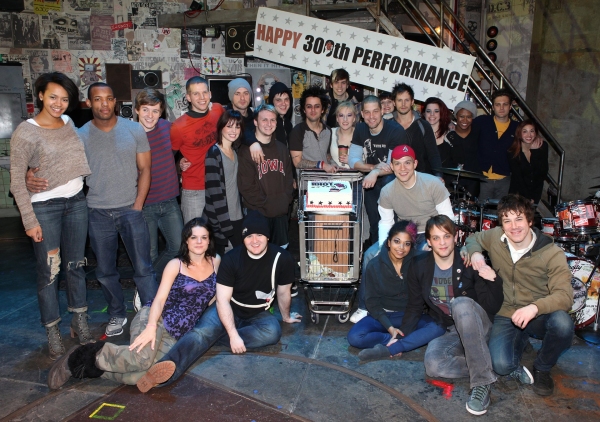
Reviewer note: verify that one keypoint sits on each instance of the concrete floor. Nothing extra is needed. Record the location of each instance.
(312, 374)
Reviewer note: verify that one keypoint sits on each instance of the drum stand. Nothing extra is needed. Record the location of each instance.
(593, 335)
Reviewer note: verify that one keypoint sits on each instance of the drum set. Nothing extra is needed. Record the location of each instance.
(575, 229)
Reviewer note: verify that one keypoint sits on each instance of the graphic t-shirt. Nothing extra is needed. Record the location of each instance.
(442, 293)
(377, 147)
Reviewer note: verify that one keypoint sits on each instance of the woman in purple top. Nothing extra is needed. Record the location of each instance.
(187, 288)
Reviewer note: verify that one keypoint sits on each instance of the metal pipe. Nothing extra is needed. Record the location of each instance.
(441, 23)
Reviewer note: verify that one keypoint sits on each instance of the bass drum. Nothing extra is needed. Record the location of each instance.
(581, 270)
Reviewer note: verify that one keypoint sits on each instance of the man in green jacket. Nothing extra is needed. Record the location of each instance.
(537, 293)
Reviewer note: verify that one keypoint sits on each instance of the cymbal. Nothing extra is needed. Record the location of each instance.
(594, 187)
(461, 173)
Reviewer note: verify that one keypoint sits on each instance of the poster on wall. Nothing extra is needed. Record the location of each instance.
(263, 78)
(62, 61)
(39, 62)
(53, 37)
(372, 59)
(191, 44)
(26, 30)
(101, 32)
(6, 34)
(144, 15)
(119, 48)
(42, 7)
(78, 32)
(299, 83)
(95, 7)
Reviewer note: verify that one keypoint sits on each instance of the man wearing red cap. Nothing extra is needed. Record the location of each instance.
(412, 196)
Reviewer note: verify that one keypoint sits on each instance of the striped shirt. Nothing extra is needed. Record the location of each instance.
(164, 184)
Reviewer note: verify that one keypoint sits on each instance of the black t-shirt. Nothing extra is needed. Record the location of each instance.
(464, 150)
(376, 147)
(248, 276)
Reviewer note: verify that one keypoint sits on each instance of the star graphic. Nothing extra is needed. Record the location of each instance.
(312, 202)
(352, 36)
(314, 27)
(450, 59)
(356, 73)
(301, 23)
(424, 91)
(259, 48)
(330, 66)
(366, 39)
(371, 76)
(436, 56)
(320, 202)
(340, 203)
(305, 60)
(438, 94)
(275, 18)
(270, 51)
(407, 49)
(288, 21)
(338, 33)
(329, 203)
(384, 80)
(347, 202)
(394, 46)
(326, 30)
(453, 99)
(379, 42)
(465, 63)
(280, 53)
(421, 52)
(317, 63)
(262, 15)
(293, 57)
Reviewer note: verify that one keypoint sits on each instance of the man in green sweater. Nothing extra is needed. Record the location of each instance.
(537, 293)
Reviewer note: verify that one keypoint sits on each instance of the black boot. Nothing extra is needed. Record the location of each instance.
(82, 362)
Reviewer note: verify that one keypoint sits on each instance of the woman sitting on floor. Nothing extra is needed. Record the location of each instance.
(187, 288)
(386, 297)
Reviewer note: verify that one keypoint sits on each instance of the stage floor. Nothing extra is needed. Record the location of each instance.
(312, 374)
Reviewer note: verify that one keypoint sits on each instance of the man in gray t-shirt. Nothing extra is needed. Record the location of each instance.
(119, 156)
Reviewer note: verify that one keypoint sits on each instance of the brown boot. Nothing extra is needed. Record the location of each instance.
(55, 345)
(79, 327)
(157, 374)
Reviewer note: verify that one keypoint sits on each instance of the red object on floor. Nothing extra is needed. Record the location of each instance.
(445, 386)
(103, 337)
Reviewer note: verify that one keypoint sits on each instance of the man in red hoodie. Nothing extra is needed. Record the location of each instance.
(267, 187)
(193, 134)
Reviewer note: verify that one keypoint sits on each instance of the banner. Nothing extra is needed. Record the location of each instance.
(372, 59)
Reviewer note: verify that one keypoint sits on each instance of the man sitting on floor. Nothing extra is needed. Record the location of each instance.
(249, 278)
(461, 301)
(537, 293)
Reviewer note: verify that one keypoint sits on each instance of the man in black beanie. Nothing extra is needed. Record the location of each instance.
(250, 277)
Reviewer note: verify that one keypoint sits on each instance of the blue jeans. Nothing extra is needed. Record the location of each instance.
(507, 341)
(64, 224)
(105, 227)
(371, 253)
(260, 330)
(463, 351)
(165, 216)
(369, 332)
(192, 204)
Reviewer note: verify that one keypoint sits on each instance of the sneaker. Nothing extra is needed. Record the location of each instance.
(115, 326)
(522, 375)
(137, 302)
(294, 289)
(358, 315)
(480, 400)
(544, 384)
(375, 353)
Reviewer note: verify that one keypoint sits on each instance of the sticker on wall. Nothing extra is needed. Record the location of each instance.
(211, 65)
(119, 48)
(42, 7)
(89, 70)
(134, 50)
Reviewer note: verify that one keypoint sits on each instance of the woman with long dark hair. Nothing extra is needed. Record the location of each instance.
(439, 117)
(187, 288)
(223, 205)
(57, 218)
(528, 166)
(386, 297)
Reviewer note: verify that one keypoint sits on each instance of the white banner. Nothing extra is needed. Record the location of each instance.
(372, 59)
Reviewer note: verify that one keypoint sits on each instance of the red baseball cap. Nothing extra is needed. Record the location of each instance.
(403, 151)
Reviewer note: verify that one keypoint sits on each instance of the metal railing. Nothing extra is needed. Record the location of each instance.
(474, 89)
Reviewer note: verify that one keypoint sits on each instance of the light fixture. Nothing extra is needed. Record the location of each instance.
(211, 32)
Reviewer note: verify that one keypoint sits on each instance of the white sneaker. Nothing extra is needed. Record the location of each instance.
(358, 315)
(137, 302)
(115, 326)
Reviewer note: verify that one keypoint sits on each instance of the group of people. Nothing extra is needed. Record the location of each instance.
(225, 260)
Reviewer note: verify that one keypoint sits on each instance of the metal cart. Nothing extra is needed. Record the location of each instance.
(330, 249)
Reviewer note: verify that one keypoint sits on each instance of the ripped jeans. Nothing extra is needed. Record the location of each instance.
(64, 223)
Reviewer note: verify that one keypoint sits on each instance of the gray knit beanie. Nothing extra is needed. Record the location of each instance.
(236, 84)
(467, 105)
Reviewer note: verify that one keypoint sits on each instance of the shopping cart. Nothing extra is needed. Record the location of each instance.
(330, 249)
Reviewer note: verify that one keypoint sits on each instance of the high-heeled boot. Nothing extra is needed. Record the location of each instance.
(55, 345)
(79, 327)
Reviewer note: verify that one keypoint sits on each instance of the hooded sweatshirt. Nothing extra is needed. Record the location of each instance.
(284, 125)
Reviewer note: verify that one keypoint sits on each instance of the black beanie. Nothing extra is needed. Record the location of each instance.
(255, 223)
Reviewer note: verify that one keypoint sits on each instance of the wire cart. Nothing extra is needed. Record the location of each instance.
(330, 249)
